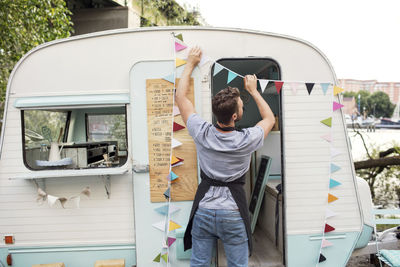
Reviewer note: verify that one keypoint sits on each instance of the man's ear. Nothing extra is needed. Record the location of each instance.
(234, 116)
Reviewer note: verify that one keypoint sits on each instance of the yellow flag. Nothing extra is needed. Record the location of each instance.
(174, 160)
(337, 90)
(173, 226)
(179, 62)
(331, 198)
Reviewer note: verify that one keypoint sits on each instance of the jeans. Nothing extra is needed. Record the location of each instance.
(227, 225)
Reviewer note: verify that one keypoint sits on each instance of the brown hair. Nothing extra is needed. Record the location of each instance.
(225, 104)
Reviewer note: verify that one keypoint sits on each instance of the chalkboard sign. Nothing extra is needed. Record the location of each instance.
(259, 188)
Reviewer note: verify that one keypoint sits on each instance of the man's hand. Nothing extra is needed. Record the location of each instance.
(250, 83)
(194, 56)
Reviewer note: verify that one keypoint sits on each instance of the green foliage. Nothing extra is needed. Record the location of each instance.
(377, 104)
(25, 24)
(383, 182)
(171, 10)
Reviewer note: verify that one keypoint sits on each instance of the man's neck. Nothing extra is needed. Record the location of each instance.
(231, 124)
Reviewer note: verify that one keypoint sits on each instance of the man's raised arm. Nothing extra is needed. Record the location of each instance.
(186, 107)
(268, 118)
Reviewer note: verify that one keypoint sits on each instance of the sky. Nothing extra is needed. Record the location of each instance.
(360, 38)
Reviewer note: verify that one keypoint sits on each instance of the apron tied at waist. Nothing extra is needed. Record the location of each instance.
(238, 194)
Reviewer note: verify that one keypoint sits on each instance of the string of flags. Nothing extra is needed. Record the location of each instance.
(70, 202)
(327, 228)
(167, 225)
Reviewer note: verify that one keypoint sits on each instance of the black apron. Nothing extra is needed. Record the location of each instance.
(239, 195)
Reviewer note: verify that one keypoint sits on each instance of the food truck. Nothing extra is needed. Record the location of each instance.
(96, 163)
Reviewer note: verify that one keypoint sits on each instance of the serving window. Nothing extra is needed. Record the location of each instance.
(79, 138)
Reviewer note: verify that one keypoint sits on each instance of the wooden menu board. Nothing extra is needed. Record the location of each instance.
(159, 128)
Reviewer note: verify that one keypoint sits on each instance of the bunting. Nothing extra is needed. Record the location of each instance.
(263, 84)
(179, 62)
(337, 105)
(278, 86)
(231, 76)
(177, 127)
(179, 47)
(325, 87)
(333, 183)
(310, 87)
(217, 68)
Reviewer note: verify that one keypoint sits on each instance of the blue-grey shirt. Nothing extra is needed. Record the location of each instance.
(222, 156)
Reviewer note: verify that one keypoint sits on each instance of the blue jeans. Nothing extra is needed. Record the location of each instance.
(227, 225)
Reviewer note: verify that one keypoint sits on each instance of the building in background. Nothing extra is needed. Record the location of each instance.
(392, 89)
(100, 15)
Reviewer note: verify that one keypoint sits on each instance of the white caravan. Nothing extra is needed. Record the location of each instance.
(84, 99)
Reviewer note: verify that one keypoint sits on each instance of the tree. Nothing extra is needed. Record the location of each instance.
(25, 24)
(379, 105)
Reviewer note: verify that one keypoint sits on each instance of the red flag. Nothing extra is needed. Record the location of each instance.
(178, 127)
(278, 86)
(328, 228)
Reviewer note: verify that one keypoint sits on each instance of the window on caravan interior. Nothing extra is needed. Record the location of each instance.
(78, 138)
(264, 68)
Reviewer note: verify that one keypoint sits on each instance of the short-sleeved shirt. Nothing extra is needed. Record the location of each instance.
(223, 156)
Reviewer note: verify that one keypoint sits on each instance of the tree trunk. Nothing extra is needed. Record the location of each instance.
(373, 163)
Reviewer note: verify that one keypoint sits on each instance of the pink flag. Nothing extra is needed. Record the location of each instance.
(327, 137)
(171, 240)
(179, 47)
(337, 106)
(326, 243)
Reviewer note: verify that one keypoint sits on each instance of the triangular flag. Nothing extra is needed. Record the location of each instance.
(172, 176)
(328, 228)
(177, 127)
(175, 111)
(331, 198)
(321, 258)
(263, 84)
(163, 210)
(329, 213)
(167, 193)
(157, 258)
(309, 86)
(159, 225)
(327, 137)
(179, 62)
(327, 122)
(337, 105)
(325, 87)
(51, 200)
(294, 87)
(170, 241)
(326, 243)
(165, 257)
(217, 68)
(231, 76)
(177, 164)
(334, 168)
(174, 160)
(278, 86)
(175, 143)
(170, 78)
(74, 202)
(179, 36)
(337, 90)
(179, 47)
(333, 183)
(173, 226)
(334, 152)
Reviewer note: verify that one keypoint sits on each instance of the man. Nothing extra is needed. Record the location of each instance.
(220, 209)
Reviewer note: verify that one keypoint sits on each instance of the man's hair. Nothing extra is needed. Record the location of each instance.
(225, 104)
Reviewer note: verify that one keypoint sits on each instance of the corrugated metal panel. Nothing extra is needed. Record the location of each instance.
(307, 164)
